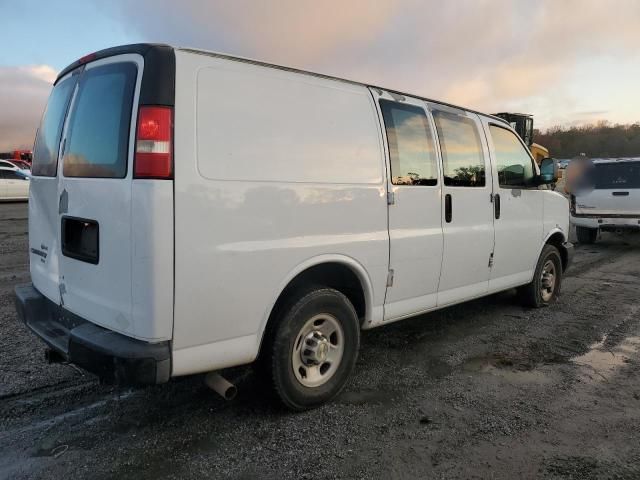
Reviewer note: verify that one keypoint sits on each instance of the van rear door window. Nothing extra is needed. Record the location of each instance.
(99, 124)
(45, 151)
(462, 158)
(411, 151)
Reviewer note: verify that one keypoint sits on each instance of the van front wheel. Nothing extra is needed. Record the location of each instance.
(545, 286)
(314, 348)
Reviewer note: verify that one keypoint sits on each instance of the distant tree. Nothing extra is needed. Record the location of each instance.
(597, 140)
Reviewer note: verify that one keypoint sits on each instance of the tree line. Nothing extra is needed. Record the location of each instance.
(600, 140)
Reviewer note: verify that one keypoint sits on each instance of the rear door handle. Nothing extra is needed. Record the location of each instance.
(448, 208)
(620, 194)
(496, 205)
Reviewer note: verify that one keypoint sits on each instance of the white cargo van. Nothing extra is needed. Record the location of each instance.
(612, 200)
(192, 211)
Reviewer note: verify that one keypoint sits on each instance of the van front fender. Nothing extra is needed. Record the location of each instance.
(559, 238)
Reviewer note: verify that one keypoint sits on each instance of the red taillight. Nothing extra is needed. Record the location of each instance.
(87, 58)
(154, 143)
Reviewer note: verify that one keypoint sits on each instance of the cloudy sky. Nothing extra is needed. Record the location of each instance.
(566, 61)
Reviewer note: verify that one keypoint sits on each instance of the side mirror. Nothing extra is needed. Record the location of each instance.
(548, 171)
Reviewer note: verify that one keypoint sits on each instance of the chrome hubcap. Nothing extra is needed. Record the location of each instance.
(548, 280)
(317, 350)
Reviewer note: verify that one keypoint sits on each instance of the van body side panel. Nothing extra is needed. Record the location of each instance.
(273, 169)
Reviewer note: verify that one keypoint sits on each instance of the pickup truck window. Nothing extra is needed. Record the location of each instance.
(620, 175)
(411, 150)
(462, 158)
(513, 162)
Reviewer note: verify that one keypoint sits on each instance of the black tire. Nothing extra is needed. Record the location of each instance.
(536, 294)
(279, 351)
(586, 235)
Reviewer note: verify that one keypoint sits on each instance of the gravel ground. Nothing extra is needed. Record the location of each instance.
(487, 389)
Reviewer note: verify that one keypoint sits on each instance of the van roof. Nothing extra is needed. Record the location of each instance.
(143, 48)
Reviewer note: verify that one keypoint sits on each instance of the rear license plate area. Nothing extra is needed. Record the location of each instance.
(80, 239)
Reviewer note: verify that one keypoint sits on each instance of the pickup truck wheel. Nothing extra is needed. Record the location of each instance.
(547, 279)
(314, 348)
(586, 235)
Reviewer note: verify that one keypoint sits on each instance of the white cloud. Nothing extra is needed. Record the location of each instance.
(23, 95)
(485, 54)
(492, 55)
(43, 72)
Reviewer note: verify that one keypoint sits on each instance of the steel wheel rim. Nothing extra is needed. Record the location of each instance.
(548, 280)
(317, 350)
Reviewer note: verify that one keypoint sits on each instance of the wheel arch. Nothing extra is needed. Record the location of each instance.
(557, 238)
(341, 272)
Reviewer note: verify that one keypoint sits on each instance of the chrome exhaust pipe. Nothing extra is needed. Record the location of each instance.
(220, 385)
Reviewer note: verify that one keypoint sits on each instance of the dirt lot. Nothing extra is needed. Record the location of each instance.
(482, 390)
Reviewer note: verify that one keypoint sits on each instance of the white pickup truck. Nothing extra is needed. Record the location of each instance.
(613, 204)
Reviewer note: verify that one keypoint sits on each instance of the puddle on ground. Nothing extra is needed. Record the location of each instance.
(600, 362)
(505, 368)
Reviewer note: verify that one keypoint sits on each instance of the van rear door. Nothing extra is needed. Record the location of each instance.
(94, 193)
(44, 248)
(101, 199)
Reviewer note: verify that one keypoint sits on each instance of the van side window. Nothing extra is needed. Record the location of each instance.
(411, 150)
(462, 158)
(514, 165)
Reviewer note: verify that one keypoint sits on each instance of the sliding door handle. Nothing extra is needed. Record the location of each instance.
(496, 205)
(448, 208)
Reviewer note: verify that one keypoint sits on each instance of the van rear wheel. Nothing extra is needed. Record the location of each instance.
(544, 289)
(586, 235)
(314, 348)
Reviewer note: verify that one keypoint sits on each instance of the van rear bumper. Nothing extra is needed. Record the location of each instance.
(114, 357)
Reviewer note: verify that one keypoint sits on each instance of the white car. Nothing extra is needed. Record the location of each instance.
(220, 211)
(14, 183)
(612, 203)
(21, 164)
